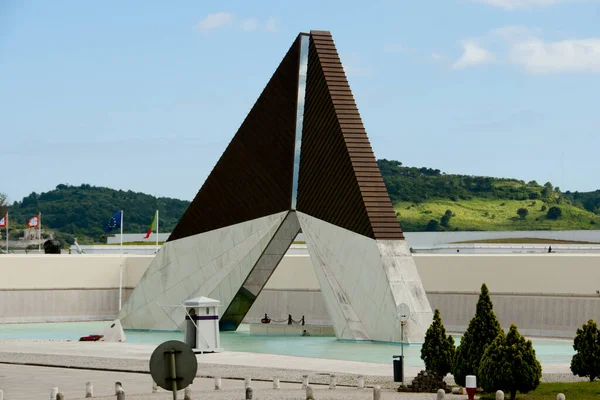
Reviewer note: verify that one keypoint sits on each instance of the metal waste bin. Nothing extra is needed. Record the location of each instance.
(398, 370)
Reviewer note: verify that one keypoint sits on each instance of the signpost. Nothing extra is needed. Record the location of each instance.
(173, 366)
(403, 315)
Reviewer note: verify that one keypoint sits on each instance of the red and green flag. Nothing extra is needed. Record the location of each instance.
(152, 226)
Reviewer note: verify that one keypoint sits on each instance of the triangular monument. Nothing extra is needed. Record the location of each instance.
(300, 162)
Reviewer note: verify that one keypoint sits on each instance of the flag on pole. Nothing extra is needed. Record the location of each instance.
(34, 222)
(114, 222)
(151, 228)
(3, 222)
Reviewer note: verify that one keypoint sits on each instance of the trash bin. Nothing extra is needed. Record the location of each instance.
(398, 370)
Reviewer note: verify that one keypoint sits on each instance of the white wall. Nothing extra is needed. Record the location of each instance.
(63, 271)
(504, 273)
(545, 294)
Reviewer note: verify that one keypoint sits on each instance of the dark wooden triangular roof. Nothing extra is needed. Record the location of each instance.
(339, 179)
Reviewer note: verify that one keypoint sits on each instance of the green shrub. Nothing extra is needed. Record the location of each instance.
(509, 364)
(437, 351)
(432, 226)
(586, 362)
(522, 212)
(482, 330)
(554, 213)
(544, 208)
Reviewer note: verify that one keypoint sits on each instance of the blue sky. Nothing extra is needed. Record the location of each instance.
(146, 95)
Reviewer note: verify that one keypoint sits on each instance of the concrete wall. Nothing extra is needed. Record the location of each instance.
(544, 294)
(41, 288)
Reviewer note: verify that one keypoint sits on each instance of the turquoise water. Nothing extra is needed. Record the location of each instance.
(548, 351)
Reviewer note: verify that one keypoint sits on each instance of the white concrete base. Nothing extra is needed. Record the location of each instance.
(113, 332)
(212, 264)
(363, 281)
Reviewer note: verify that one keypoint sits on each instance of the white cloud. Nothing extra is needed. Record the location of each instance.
(524, 47)
(473, 54)
(272, 25)
(249, 25)
(523, 4)
(537, 56)
(214, 21)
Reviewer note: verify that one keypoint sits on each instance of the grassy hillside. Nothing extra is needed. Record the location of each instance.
(481, 214)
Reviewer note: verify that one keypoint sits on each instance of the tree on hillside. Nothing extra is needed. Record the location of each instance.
(509, 363)
(554, 213)
(445, 220)
(482, 330)
(432, 226)
(586, 362)
(438, 350)
(523, 212)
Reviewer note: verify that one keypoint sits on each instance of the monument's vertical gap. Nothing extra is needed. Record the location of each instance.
(304, 41)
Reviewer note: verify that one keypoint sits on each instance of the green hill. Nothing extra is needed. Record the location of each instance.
(423, 196)
(424, 199)
(83, 211)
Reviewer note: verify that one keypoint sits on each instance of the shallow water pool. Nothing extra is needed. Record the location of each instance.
(549, 351)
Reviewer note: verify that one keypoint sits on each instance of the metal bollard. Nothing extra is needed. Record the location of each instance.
(309, 393)
(118, 387)
(121, 395)
(360, 383)
(154, 387)
(247, 382)
(218, 383)
(304, 381)
(187, 393)
(248, 393)
(332, 381)
(53, 393)
(276, 383)
(560, 396)
(60, 396)
(441, 395)
(1, 395)
(377, 393)
(89, 389)
(499, 395)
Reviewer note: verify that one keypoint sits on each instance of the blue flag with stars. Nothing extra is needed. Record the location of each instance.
(114, 222)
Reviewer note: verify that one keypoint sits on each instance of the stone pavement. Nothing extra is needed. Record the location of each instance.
(31, 383)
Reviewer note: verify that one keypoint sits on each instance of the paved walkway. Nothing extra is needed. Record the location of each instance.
(31, 383)
(143, 352)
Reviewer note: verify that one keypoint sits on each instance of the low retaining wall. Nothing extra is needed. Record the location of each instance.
(59, 305)
(544, 294)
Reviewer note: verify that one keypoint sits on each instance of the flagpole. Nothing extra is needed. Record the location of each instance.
(157, 231)
(40, 232)
(7, 232)
(121, 266)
